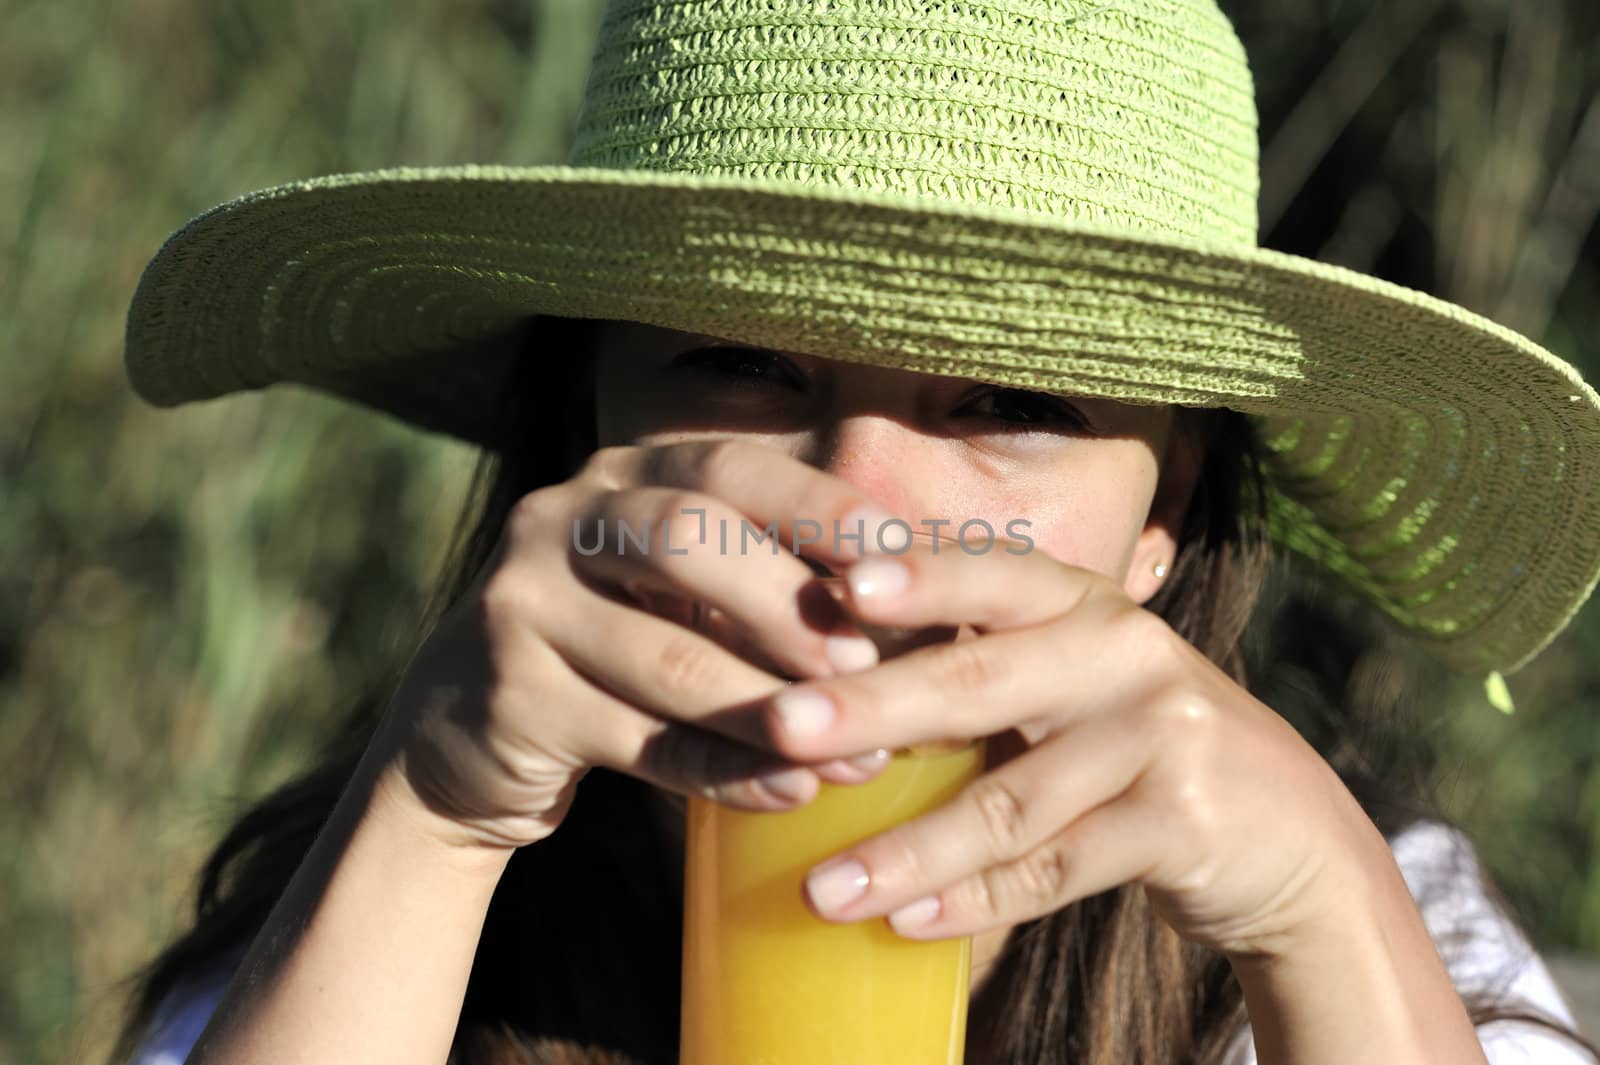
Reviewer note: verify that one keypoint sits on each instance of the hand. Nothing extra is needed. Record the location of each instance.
(1139, 761)
(548, 666)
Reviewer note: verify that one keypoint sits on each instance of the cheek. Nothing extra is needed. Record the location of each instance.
(1093, 519)
(1095, 541)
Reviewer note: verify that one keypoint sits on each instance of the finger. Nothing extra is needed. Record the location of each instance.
(539, 721)
(1105, 848)
(809, 511)
(662, 541)
(677, 738)
(857, 769)
(663, 668)
(689, 760)
(530, 524)
(940, 582)
(994, 821)
(1037, 680)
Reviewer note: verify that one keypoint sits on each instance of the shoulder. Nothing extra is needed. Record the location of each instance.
(183, 1015)
(1482, 949)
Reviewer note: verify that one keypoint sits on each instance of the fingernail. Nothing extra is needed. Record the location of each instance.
(833, 887)
(870, 762)
(878, 578)
(851, 654)
(792, 785)
(803, 712)
(880, 530)
(914, 915)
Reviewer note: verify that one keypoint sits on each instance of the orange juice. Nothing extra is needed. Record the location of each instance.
(766, 982)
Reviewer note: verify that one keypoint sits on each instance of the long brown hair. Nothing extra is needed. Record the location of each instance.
(579, 959)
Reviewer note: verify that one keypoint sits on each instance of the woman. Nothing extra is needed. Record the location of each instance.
(1009, 275)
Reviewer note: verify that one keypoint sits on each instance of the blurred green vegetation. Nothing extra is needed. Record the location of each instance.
(185, 597)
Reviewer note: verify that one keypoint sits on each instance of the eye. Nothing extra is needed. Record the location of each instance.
(743, 367)
(1024, 408)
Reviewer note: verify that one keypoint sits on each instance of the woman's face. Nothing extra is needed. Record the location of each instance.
(1102, 484)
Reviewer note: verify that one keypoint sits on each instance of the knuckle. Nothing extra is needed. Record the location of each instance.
(1183, 720)
(1192, 803)
(1187, 735)
(1147, 635)
(505, 600)
(680, 518)
(721, 460)
(1042, 877)
(1001, 811)
(986, 895)
(686, 664)
(662, 463)
(1142, 631)
(679, 757)
(896, 852)
(1204, 819)
(1197, 878)
(610, 465)
(531, 514)
(965, 666)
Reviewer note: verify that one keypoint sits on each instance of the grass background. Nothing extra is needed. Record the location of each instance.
(185, 595)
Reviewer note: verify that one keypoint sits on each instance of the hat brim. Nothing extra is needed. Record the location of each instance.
(1432, 458)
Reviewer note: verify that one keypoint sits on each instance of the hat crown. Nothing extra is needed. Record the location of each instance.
(1139, 116)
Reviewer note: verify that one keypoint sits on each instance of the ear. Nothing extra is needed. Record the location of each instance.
(1180, 473)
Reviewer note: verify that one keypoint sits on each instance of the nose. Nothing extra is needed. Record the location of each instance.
(864, 449)
(866, 432)
(885, 459)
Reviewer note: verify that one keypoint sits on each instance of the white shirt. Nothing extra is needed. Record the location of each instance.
(1482, 952)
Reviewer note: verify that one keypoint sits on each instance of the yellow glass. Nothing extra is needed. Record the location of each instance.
(765, 981)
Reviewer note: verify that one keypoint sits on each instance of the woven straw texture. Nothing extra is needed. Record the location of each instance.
(1057, 196)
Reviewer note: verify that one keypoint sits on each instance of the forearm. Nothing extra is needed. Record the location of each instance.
(1368, 986)
(366, 956)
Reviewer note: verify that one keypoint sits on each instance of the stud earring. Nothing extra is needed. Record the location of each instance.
(1160, 570)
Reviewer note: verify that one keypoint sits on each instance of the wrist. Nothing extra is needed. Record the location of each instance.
(1358, 879)
(444, 840)
(1363, 983)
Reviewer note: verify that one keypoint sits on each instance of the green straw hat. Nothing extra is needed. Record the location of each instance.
(1043, 194)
